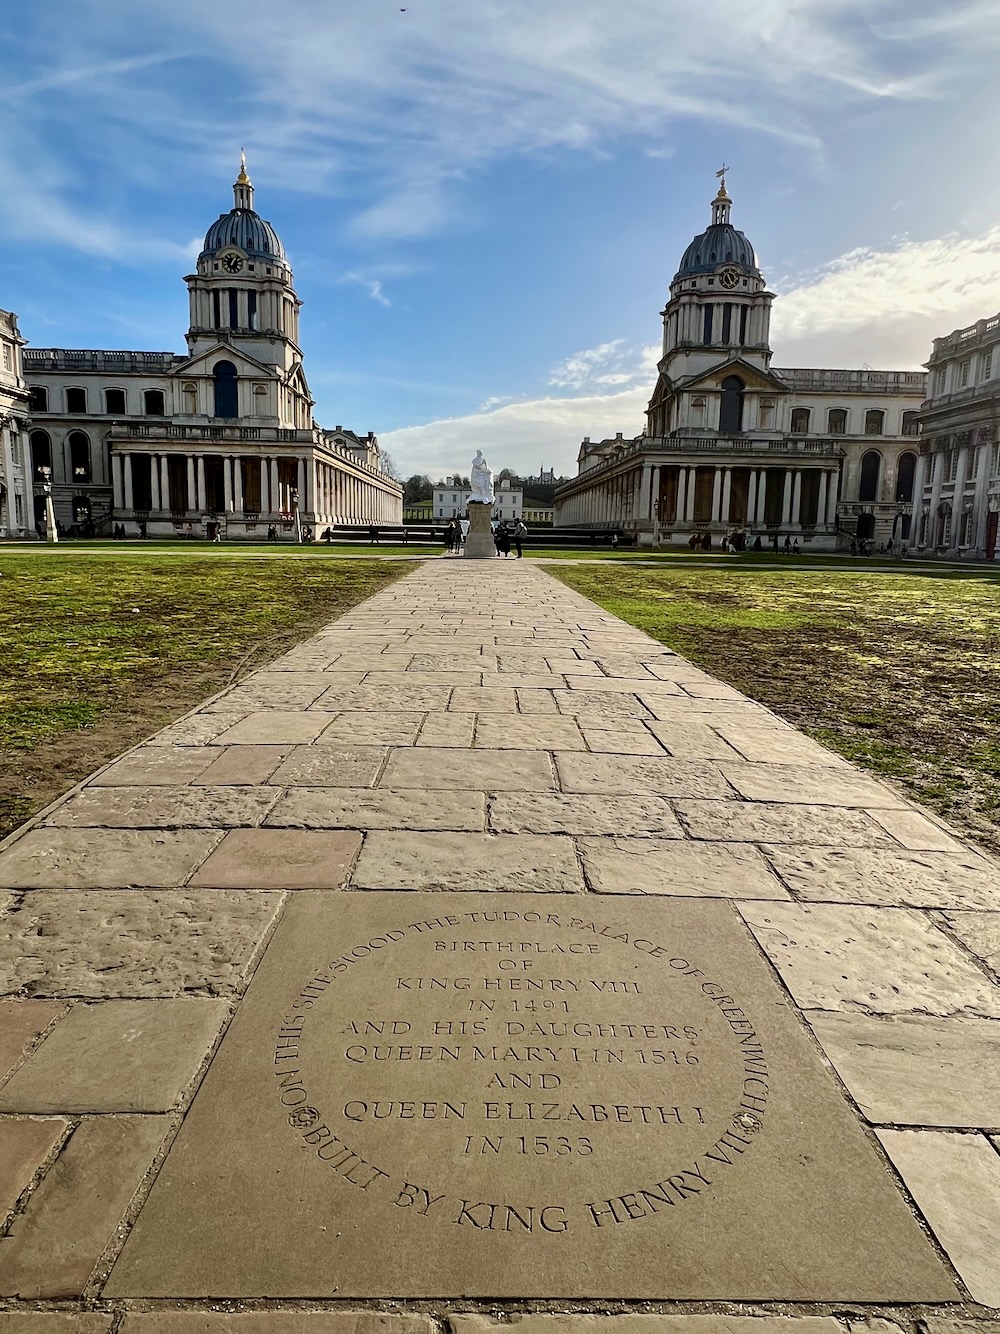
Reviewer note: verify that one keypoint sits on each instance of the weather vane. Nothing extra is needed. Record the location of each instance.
(721, 174)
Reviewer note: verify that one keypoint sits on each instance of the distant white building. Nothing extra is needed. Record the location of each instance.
(17, 515)
(450, 502)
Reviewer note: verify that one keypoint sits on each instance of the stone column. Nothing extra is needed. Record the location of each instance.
(227, 482)
(751, 514)
(164, 483)
(128, 482)
(692, 486)
(646, 494)
(940, 463)
(824, 482)
(154, 483)
(716, 495)
(797, 498)
(265, 500)
(786, 500)
(275, 489)
(192, 494)
(301, 482)
(958, 500)
(727, 492)
(831, 500)
(200, 466)
(761, 494)
(117, 486)
(238, 505)
(919, 476)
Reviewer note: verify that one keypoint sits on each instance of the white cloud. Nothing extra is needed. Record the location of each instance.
(372, 285)
(604, 367)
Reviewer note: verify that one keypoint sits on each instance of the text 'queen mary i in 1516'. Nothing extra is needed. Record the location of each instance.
(482, 481)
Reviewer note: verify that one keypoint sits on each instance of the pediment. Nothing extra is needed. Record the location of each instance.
(752, 376)
(202, 362)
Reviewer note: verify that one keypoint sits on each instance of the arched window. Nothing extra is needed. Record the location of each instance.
(766, 413)
(874, 419)
(904, 476)
(800, 421)
(837, 421)
(226, 389)
(79, 456)
(911, 423)
(190, 399)
(871, 466)
(76, 400)
(259, 400)
(697, 412)
(152, 402)
(41, 450)
(38, 398)
(731, 407)
(114, 402)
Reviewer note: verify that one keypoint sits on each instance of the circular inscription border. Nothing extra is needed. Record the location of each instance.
(308, 1121)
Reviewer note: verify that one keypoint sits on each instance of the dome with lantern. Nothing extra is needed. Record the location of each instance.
(244, 228)
(719, 245)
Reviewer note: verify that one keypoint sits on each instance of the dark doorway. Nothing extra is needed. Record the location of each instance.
(866, 527)
(226, 389)
(731, 408)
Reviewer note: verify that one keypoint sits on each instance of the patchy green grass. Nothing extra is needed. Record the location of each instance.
(99, 649)
(898, 672)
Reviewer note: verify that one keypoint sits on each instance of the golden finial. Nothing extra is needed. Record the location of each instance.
(243, 178)
(721, 177)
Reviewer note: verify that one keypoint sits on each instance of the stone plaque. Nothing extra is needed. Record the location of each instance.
(446, 1095)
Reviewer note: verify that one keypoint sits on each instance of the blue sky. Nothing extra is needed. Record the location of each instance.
(484, 200)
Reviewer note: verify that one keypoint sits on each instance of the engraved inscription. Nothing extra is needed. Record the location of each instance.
(411, 1064)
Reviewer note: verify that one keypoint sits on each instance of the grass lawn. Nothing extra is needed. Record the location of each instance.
(101, 648)
(898, 672)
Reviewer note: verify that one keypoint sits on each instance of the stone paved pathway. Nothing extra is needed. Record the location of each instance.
(478, 727)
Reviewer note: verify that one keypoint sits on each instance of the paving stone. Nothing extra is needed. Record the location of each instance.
(758, 822)
(776, 743)
(380, 808)
(914, 830)
(330, 766)
(122, 943)
(119, 1056)
(662, 866)
(54, 1322)
(559, 813)
(499, 732)
(692, 741)
(955, 1180)
(708, 688)
(539, 863)
(164, 808)
(285, 694)
(623, 738)
(409, 678)
(103, 858)
(522, 680)
(916, 1071)
(956, 1325)
(474, 699)
(469, 770)
(24, 1147)
(888, 876)
(447, 729)
(22, 1023)
(385, 699)
(150, 765)
(242, 765)
(274, 728)
(534, 702)
(452, 662)
(594, 706)
(538, 1322)
(979, 932)
(373, 729)
(200, 729)
(279, 859)
(628, 774)
(876, 960)
(52, 1248)
(280, 1322)
(806, 784)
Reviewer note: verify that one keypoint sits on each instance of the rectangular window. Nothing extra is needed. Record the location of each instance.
(939, 381)
(963, 373)
(952, 465)
(986, 368)
(234, 309)
(974, 462)
(216, 312)
(252, 310)
(707, 335)
(727, 321)
(7, 359)
(744, 312)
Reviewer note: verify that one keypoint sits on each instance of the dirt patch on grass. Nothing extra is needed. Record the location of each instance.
(898, 673)
(98, 652)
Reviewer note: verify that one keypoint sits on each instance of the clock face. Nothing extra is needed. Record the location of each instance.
(232, 263)
(729, 279)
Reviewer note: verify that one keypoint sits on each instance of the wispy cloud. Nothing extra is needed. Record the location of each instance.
(373, 286)
(88, 74)
(607, 366)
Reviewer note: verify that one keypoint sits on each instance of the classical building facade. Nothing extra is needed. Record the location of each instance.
(823, 457)
(451, 502)
(958, 472)
(17, 505)
(223, 433)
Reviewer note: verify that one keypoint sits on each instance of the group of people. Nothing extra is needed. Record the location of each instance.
(454, 536)
(506, 535)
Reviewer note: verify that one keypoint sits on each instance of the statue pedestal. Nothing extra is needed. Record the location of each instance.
(479, 544)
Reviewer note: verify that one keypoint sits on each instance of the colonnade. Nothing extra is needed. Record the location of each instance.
(754, 513)
(326, 494)
(928, 527)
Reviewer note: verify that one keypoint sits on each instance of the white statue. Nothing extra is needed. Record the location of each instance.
(482, 481)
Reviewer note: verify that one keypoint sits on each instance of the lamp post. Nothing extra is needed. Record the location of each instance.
(51, 532)
(294, 493)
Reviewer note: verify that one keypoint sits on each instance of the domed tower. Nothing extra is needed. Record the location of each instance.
(242, 292)
(718, 315)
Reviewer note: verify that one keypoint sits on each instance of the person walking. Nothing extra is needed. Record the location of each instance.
(503, 537)
(520, 533)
